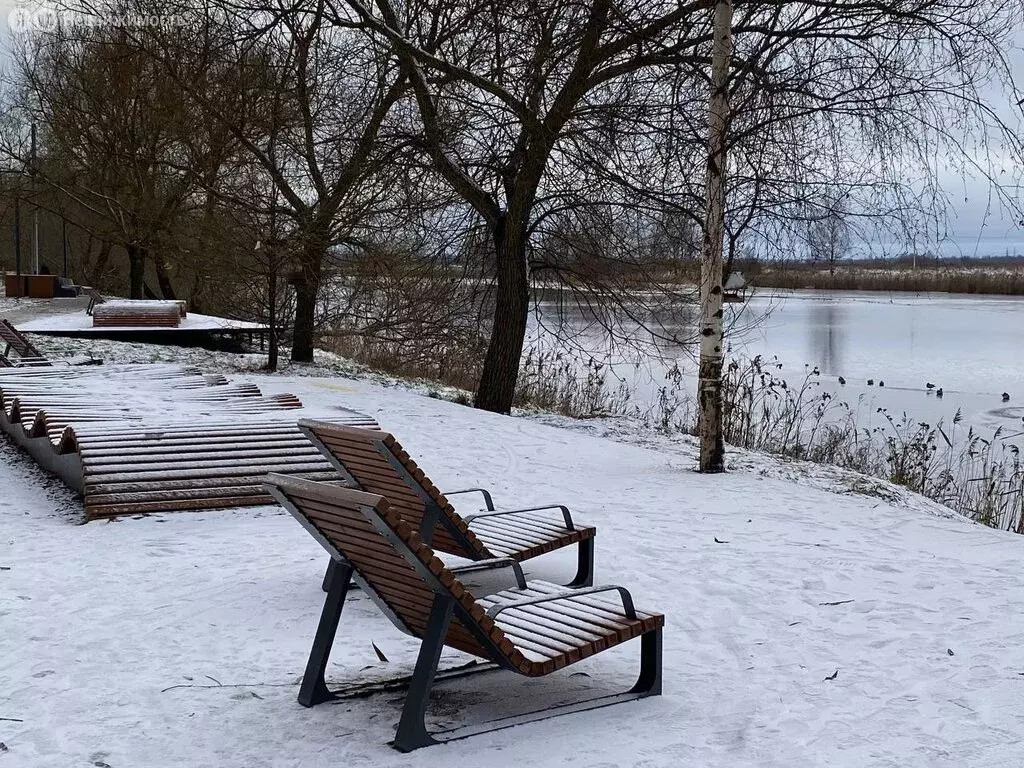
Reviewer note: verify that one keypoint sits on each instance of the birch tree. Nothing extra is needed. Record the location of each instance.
(709, 392)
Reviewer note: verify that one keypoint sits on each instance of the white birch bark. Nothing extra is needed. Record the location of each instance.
(709, 387)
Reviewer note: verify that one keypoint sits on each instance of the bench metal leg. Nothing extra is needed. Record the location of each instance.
(585, 565)
(331, 566)
(314, 688)
(649, 682)
(412, 730)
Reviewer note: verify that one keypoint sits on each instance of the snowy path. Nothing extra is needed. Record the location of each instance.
(97, 620)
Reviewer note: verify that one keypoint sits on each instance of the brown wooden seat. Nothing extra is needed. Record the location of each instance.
(375, 462)
(533, 629)
(137, 314)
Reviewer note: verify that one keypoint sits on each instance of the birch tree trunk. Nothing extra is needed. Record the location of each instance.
(709, 387)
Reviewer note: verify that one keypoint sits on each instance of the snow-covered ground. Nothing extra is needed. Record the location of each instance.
(814, 617)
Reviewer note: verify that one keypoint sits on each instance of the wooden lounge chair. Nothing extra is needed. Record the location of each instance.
(15, 341)
(532, 629)
(375, 462)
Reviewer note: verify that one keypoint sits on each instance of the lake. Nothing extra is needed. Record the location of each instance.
(970, 346)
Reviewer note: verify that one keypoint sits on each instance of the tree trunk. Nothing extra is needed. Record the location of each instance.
(136, 270)
(709, 388)
(96, 270)
(163, 279)
(307, 288)
(272, 316)
(497, 386)
(305, 311)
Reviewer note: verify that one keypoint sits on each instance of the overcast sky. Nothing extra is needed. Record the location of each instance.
(976, 225)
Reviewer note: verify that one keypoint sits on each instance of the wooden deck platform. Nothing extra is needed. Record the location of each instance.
(155, 438)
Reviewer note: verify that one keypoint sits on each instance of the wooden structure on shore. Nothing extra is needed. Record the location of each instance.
(735, 289)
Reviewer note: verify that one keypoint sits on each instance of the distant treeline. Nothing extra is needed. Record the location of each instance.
(988, 275)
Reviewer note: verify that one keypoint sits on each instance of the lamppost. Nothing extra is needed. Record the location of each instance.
(35, 209)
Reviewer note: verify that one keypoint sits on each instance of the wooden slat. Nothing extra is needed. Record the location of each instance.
(172, 474)
(126, 497)
(324, 475)
(190, 462)
(160, 450)
(176, 506)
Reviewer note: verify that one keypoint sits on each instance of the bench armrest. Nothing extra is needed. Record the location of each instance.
(627, 600)
(494, 562)
(482, 491)
(565, 514)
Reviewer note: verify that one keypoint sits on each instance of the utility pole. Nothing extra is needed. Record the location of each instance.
(17, 236)
(35, 208)
(64, 243)
(709, 387)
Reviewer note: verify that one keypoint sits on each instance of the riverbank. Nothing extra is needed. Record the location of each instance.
(814, 617)
(1006, 280)
(951, 446)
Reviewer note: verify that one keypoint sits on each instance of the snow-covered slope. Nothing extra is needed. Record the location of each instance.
(178, 640)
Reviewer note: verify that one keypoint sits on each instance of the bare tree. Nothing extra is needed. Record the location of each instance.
(329, 91)
(118, 141)
(850, 101)
(502, 89)
(829, 237)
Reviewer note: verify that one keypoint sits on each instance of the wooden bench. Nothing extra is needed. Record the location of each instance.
(95, 297)
(14, 285)
(533, 629)
(137, 314)
(375, 462)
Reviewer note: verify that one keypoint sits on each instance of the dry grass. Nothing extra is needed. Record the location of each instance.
(1007, 280)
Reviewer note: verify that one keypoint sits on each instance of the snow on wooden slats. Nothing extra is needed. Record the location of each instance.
(136, 313)
(101, 489)
(174, 440)
(259, 446)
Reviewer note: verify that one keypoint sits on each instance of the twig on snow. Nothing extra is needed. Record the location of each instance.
(221, 685)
